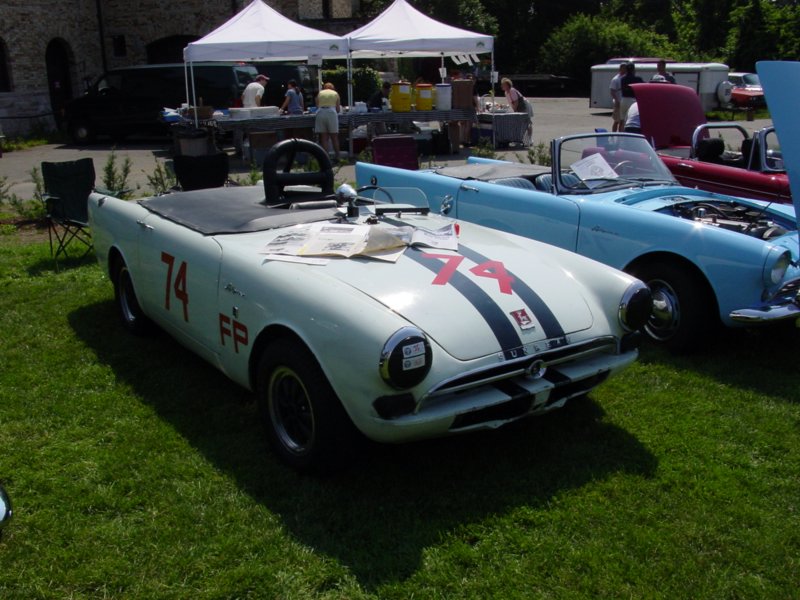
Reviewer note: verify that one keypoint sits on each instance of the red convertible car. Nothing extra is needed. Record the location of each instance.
(696, 153)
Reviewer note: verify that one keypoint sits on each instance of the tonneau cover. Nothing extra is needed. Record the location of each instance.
(229, 210)
(489, 171)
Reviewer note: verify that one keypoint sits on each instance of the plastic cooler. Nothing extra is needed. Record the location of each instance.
(424, 96)
(400, 96)
(444, 96)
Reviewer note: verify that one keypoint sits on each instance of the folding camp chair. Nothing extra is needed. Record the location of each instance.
(67, 186)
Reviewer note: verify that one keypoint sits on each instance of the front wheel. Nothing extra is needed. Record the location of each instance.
(682, 308)
(305, 422)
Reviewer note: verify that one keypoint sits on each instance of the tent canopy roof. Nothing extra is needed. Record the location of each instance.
(259, 32)
(401, 30)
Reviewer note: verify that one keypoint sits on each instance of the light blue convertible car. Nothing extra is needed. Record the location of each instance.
(706, 258)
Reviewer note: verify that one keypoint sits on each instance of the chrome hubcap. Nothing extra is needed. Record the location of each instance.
(290, 411)
(666, 315)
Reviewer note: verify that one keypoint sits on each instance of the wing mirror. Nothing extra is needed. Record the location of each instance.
(5, 509)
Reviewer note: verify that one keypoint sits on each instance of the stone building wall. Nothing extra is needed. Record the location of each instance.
(28, 26)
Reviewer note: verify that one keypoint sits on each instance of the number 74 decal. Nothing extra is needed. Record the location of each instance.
(492, 269)
(178, 286)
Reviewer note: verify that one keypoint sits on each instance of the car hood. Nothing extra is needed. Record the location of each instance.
(669, 113)
(474, 302)
(781, 83)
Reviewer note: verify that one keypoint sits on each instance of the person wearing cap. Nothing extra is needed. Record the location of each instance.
(251, 96)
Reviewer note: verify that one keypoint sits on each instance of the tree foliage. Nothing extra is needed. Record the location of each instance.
(569, 36)
(587, 40)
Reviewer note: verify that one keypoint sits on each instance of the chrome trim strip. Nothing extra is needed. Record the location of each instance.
(517, 367)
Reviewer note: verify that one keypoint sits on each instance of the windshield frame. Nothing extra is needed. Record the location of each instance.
(630, 154)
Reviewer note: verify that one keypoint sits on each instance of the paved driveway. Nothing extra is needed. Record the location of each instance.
(553, 117)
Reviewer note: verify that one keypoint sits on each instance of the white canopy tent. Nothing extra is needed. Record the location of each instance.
(260, 33)
(403, 31)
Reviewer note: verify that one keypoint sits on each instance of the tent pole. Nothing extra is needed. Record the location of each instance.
(194, 95)
(441, 69)
(186, 79)
(349, 102)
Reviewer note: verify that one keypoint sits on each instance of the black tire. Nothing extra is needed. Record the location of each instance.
(128, 309)
(82, 131)
(683, 309)
(305, 422)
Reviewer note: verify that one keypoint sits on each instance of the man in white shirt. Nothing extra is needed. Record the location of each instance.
(632, 123)
(251, 96)
(616, 98)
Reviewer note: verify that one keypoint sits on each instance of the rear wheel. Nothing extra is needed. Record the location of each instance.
(305, 422)
(130, 313)
(683, 312)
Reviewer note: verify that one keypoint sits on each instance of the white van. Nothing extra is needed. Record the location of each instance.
(709, 80)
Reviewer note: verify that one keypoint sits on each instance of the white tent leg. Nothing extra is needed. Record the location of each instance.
(349, 103)
(194, 96)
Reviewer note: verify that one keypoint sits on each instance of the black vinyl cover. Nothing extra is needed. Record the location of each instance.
(229, 210)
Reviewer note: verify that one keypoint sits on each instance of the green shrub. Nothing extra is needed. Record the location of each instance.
(366, 82)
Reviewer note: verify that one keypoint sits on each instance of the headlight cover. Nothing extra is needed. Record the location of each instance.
(635, 307)
(778, 260)
(405, 358)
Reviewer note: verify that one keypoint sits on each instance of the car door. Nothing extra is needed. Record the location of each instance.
(537, 215)
(179, 279)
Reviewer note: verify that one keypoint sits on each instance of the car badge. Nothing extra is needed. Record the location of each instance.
(523, 319)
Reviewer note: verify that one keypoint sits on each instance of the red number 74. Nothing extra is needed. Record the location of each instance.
(493, 269)
(179, 287)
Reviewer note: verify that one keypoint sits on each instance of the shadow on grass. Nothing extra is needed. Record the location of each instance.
(762, 360)
(378, 517)
(46, 266)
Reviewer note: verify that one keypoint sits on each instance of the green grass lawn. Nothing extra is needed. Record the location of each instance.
(137, 471)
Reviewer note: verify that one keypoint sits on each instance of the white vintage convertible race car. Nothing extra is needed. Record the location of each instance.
(348, 311)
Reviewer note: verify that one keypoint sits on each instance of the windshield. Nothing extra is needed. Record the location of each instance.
(603, 161)
(751, 79)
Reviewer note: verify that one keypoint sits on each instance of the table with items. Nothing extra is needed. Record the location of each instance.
(348, 121)
(504, 128)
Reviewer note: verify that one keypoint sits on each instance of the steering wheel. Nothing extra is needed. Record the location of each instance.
(275, 181)
(364, 188)
(622, 163)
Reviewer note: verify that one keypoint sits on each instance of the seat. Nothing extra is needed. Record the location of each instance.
(710, 150)
(201, 172)
(544, 182)
(67, 186)
(751, 156)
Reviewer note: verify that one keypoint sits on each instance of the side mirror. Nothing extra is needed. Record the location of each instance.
(5, 509)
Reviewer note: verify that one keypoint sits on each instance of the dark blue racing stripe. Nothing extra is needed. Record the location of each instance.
(495, 318)
(550, 325)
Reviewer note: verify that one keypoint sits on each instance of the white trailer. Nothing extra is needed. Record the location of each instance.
(707, 79)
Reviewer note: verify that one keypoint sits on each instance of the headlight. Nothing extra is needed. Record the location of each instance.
(778, 260)
(635, 306)
(405, 358)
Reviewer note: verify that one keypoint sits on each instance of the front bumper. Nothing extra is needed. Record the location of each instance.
(783, 305)
(495, 403)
